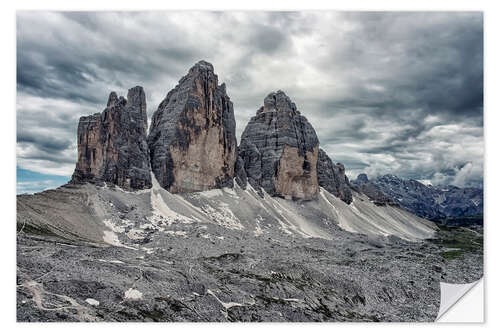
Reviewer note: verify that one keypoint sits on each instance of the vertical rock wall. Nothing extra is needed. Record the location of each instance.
(192, 139)
(279, 149)
(332, 177)
(112, 145)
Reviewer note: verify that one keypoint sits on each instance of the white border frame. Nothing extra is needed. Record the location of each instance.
(8, 139)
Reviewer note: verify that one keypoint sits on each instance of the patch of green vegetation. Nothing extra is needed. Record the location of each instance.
(463, 239)
(452, 254)
(460, 221)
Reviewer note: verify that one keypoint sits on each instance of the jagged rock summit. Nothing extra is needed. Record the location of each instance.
(426, 201)
(279, 150)
(363, 185)
(192, 139)
(112, 145)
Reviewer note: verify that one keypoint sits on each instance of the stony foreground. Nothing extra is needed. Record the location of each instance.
(205, 271)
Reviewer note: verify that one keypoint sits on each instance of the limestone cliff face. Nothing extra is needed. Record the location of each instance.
(192, 139)
(279, 149)
(332, 177)
(112, 145)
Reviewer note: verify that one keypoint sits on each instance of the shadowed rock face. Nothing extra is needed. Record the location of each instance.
(363, 185)
(427, 201)
(279, 149)
(240, 175)
(192, 139)
(332, 177)
(112, 145)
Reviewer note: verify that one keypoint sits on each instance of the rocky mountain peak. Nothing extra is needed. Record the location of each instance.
(112, 99)
(136, 106)
(362, 178)
(112, 145)
(202, 65)
(279, 150)
(192, 139)
(278, 101)
(363, 185)
(202, 70)
(431, 202)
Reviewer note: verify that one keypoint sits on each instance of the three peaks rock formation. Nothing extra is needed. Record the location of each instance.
(192, 144)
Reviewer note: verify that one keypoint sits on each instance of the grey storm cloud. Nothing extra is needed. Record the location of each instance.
(387, 92)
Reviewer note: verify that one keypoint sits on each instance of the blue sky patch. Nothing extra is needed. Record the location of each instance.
(32, 182)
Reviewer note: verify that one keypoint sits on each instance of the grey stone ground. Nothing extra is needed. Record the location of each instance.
(205, 271)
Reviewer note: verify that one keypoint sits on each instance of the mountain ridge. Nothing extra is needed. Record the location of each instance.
(427, 201)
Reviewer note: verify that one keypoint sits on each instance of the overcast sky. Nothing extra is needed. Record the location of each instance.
(398, 93)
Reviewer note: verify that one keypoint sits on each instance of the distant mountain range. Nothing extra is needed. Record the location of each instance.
(448, 204)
